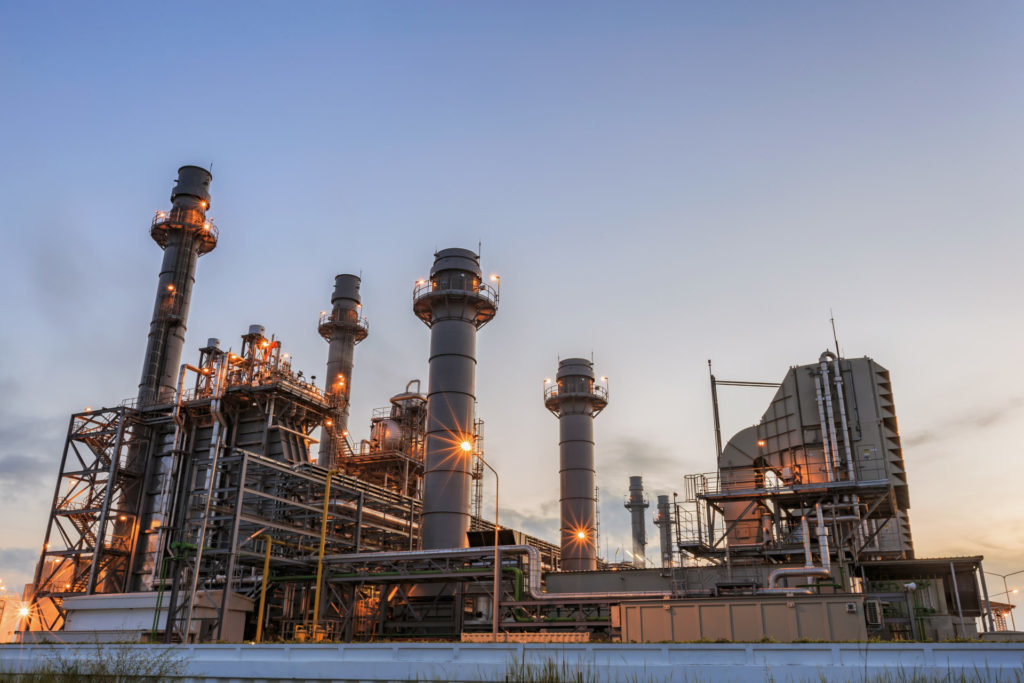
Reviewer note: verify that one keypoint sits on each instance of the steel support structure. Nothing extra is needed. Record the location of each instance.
(91, 528)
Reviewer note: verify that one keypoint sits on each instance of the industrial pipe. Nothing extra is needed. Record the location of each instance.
(823, 549)
(454, 303)
(827, 388)
(824, 433)
(808, 570)
(847, 441)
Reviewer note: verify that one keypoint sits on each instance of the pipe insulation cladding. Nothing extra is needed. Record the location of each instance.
(184, 233)
(343, 327)
(575, 399)
(454, 303)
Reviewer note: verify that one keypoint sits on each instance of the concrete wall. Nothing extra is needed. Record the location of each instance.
(744, 619)
(596, 662)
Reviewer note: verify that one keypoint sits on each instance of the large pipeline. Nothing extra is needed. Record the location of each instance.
(842, 414)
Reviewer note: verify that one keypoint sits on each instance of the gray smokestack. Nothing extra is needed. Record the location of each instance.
(637, 505)
(343, 327)
(664, 522)
(184, 233)
(454, 303)
(576, 399)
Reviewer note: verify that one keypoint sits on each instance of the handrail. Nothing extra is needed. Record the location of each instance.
(483, 290)
(598, 390)
(329, 317)
(205, 225)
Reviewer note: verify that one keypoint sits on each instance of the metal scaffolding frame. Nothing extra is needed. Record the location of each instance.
(90, 533)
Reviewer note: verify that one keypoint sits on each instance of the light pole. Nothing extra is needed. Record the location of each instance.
(467, 446)
(1007, 592)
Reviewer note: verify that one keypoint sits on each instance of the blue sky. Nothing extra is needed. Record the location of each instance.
(657, 183)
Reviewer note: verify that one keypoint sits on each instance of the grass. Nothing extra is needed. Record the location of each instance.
(106, 664)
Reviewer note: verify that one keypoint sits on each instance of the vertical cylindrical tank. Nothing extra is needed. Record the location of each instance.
(454, 303)
(663, 519)
(184, 233)
(575, 398)
(343, 327)
(637, 505)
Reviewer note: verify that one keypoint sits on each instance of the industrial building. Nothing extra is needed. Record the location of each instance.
(206, 509)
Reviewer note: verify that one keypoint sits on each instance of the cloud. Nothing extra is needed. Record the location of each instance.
(20, 473)
(543, 523)
(18, 561)
(971, 421)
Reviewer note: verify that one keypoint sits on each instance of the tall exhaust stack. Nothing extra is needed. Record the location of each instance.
(343, 327)
(663, 520)
(454, 303)
(185, 234)
(575, 399)
(637, 505)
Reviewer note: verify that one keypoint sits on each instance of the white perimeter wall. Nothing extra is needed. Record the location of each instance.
(597, 662)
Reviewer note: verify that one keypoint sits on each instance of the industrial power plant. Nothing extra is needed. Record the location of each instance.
(227, 502)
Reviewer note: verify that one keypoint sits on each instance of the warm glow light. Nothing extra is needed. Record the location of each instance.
(328, 422)
(421, 282)
(123, 518)
(761, 443)
(23, 612)
(170, 288)
(547, 380)
(344, 432)
(466, 446)
(203, 204)
(494, 278)
(582, 535)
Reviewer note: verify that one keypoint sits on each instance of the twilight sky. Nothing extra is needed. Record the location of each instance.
(657, 184)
